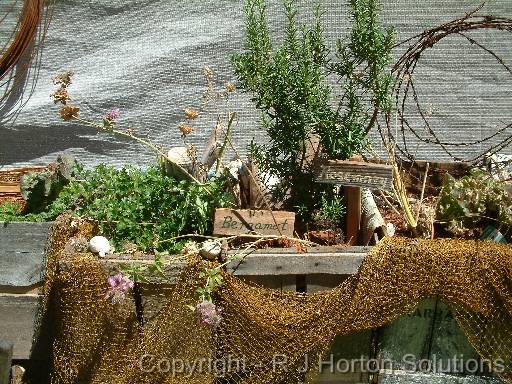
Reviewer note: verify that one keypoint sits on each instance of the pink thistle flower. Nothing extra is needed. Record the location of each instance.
(208, 314)
(119, 286)
(112, 115)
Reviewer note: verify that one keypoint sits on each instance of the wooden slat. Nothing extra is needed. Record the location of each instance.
(111, 265)
(22, 247)
(5, 361)
(277, 263)
(17, 322)
(275, 268)
(10, 188)
(397, 376)
(264, 262)
(323, 282)
(428, 332)
(353, 216)
(356, 174)
(282, 283)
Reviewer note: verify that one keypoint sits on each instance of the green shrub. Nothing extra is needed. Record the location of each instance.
(331, 211)
(10, 211)
(143, 207)
(473, 199)
(289, 85)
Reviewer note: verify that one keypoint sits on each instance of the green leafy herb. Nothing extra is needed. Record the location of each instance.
(143, 207)
(331, 211)
(10, 211)
(290, 85)
(475, 199)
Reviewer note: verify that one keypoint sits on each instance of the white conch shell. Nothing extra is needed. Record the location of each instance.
(210, 249)
(99, 245)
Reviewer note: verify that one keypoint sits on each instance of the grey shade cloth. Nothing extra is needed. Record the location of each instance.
(146, 57)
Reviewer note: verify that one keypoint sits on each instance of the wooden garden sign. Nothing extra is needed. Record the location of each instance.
(250, 221)
(354, 175)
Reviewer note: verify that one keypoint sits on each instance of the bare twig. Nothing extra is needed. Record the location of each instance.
(129, 134)
(422, 191)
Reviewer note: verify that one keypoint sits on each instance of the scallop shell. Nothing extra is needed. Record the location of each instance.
(210, 249)
(99, 245)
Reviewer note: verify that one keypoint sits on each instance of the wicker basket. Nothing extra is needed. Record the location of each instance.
(10, 188)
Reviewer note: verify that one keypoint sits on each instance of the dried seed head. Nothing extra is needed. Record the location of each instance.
(192, 152)
(191, 113)
(69, 112)
(61, 95)
(207, 72)
(63, 78)
(230, 87)
(185, 129)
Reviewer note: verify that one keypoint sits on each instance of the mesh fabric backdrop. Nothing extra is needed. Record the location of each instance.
(146, 57)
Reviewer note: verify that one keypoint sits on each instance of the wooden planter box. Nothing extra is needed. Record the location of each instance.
(22, 249)
(427, 331)
(10, 188)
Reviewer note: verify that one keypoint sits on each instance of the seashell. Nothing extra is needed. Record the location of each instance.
(210, 249)
(99, 245)
(234, 168)
(390, 227)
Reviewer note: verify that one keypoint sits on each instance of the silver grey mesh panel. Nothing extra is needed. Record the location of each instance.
(146, 57)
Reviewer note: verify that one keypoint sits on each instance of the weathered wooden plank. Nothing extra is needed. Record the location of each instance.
(282, 283)
(31, 289)
(111, 265)
(5, 361)
(323, 282)
(262, 262)
(22, 247)
(356, 174)
(246, 221)
(10, 188)
(17, 319)
(429, 332)
(282, 264)
(344, 349)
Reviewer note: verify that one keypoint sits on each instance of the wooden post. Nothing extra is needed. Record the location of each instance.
(5, 361)
(353, 203)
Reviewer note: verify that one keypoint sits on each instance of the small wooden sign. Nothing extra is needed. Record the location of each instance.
(356, 174)
(249, 221)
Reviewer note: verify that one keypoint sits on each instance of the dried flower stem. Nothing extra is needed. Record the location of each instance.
(422, 192)
(402, 198)
(256, 183)
(231, 118)
(129, 134)
(389, 203)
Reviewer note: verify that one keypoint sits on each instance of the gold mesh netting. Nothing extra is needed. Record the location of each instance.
(95, 342)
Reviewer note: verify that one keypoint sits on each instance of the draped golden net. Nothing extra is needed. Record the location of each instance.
(95, 342)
